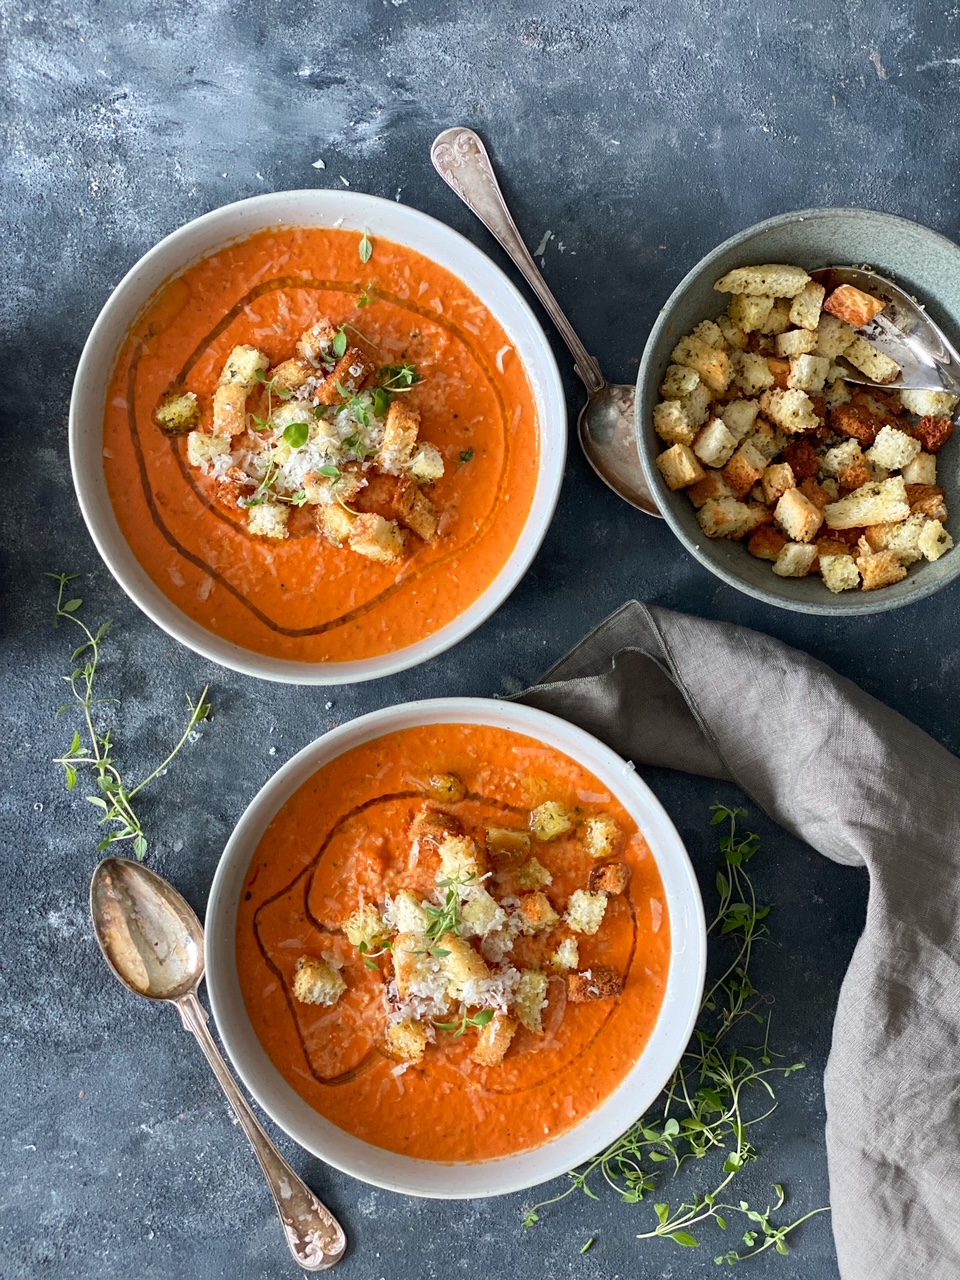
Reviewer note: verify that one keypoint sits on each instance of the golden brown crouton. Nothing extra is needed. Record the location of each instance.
(797, 516)
(461, 965)
(602, 836)
(679, 466)
(776, 279)
(531, 998)
(933, 433)
(597, 983)
(839, 572)
(805, 308)
(405, 1041)
(335, 523)
(399, 437)
(230, 409)
(536, 913)
(567, 955)
(879, 568)
(493, 1040)
(853, 305)
(504, 840)
(712, 364)
(316, 982)
(412, 965)
(795, 560)
(446, 787)
(434, 826)
(461, 859)
(290, 375)
(712, 486)
(726, 518)
(316, 343)
(178, 413)
(585, 911)
(609, 877)
(877, 366)
(532, 874)
(856, 421)
(816, 493)
(671, 421)
(927, 500)
(366, 928)
(377, 539)
(744, 469)
(550, 820)
(802, 459)
(348, 373)
(766, 543)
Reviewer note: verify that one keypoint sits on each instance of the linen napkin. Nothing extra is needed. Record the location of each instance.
(864, 787)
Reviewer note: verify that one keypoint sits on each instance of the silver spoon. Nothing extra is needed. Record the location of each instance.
(606, 423)
(903, 331)
(153, 941)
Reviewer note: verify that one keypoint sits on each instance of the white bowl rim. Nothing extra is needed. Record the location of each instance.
(545, 383)
(504, 1175)
(837, 606)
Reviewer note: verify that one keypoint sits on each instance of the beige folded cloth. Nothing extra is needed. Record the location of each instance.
(864, 787)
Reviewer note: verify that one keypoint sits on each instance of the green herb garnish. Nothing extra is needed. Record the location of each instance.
(705, 1106)
(382, 400)
(116, 795)
(271, 388)
(398, 377)
(366, 247)
(458, 1028)
(340, 343)
(467, 455)
(330, 472)
(297, 434)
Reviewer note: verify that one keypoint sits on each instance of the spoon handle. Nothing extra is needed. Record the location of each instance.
(315, 1237)
(462, 161)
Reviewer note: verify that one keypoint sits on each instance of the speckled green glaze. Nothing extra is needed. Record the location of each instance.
(921, 261)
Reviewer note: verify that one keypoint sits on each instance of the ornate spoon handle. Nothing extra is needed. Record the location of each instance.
(315, 1237)
(461, 159)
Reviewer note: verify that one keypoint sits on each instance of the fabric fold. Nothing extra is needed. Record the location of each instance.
(864, 787)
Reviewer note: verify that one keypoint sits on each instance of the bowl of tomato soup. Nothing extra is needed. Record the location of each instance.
(272, 522)
(455, 947)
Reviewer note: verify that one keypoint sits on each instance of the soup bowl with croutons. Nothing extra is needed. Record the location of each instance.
(771, 461)
(317, 436)
(455, 947)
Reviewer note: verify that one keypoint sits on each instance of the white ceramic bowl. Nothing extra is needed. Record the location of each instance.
(487, 1177)
(353, 211)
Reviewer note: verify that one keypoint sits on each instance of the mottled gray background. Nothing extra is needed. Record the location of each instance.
(639, 138)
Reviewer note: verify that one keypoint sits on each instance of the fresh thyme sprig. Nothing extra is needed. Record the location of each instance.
(704, 1109)
(116, 798)
(479, 1019)
(446, 918)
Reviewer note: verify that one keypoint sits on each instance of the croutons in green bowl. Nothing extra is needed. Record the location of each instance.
(748, 514)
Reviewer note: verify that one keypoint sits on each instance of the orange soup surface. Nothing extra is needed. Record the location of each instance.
(301, 598)
(343, 840)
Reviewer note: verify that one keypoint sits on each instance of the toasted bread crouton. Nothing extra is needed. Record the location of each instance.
(315, 344)
(399, 437)
(928, 500)
(853, 305)
(481, 913)
(567, 955)
(348, 373)
(609, 877)
(934, 432)
(879, 568)
(597, 983)
(780, 369)
(230, 409)
(932, 404)
(842, 457)
(711, 487)
(796, 560)
(749, 313)
(325, 490)
(922, 470)
(536, 913)
(934, 541)
(808, 373)
(776, 480)
(242, 366)
(461, 859)
(678, 381)
(426, 465)
(714, 443)
(415, 970)
(493, 1040)
(855, 421)
(776, 279)
(316, 982)
(766, 543)
(335, 523)
(178, 413)
(366, 928)
(833, 336)
(739, 417)
(751, 373)
(406, 914)
(549, 821)
(857, 474)
(802, 459)
(733, 336)
(827, 546)
(290, 375)
(530, 999)
(893, 449)
(448, 788)
(504, 840)
(417, 512)
(461, 965)
(585, 911)
(879, 503)
(792, 411)
(672, 422)
(797, 516)
(532, 874)
(836, 391)
(877, 366)
(778, 318)
(796, 342)
(901, 537)
(726, 518)
(816, 493)
(744, 469)
(697, 405)
(377, 539)
(406, 1041)
(602, 836)
(400, 499)
(203, 449)
(806, 305)
(839, 572)
(767, 441)
(712, 364)
(708, 331)
(830, 487)
(433, 826)
(268, 519)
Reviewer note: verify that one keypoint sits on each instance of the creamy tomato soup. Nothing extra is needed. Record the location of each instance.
(347, 843)
(302, 598)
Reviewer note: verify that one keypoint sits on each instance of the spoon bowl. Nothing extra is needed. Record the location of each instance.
(903, 331)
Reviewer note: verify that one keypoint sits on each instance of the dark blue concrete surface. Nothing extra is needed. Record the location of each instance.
(640, 138)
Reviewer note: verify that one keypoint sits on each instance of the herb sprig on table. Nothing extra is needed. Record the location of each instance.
(115, 798)
(707, 1108)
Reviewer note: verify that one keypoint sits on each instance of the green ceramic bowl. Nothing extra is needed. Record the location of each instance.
(921, 261)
